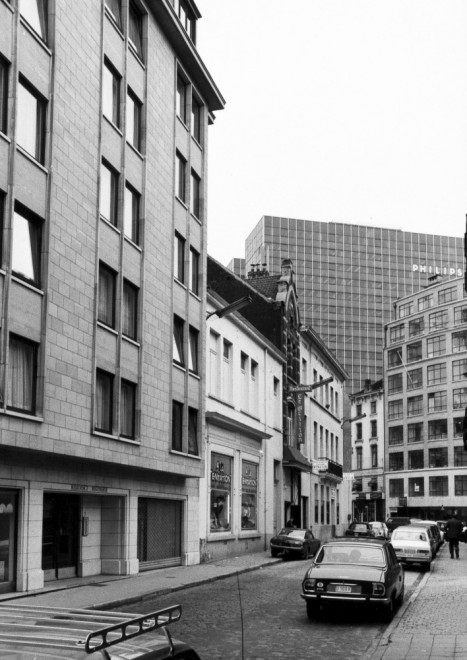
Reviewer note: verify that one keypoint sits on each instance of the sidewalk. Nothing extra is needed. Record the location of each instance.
(107, 591)
(432, 623)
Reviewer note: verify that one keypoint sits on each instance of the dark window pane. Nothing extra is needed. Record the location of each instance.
(177, 425)
(104, 399)
(106, 306)
(135, 29)
(193, 431)
(130, 310)
(22, 375)
(127, 409)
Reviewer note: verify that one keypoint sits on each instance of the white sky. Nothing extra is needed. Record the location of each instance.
(346, 110)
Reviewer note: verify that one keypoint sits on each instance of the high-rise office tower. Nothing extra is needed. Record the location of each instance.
(348, 277)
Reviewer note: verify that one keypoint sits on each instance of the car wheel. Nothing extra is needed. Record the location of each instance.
(274, 552)
(312, 610)
(388, 613)
(400, 597)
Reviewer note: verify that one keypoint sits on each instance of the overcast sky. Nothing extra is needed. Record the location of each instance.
(346, 110)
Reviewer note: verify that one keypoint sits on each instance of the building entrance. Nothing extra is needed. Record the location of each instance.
(8, 534)
(60, 535)
(159, 533)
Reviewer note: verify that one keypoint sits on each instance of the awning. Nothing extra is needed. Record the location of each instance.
(293, 458)
(238, 427)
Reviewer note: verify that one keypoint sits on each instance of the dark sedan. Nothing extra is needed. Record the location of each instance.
(359, 529)
(294, 542)
(357, 571)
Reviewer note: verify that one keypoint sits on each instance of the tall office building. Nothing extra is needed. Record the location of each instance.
(348, 277)
(104, 114)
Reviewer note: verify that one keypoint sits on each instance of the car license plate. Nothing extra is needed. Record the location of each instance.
(341, 588)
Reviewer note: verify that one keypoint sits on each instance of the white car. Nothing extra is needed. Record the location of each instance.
(412, 546)
(380, 529)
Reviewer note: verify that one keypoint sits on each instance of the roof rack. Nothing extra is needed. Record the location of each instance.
(120, 632)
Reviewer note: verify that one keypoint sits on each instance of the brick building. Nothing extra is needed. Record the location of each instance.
(104, 114)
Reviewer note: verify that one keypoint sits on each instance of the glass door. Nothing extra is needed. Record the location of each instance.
(8, 532)
(60, 535)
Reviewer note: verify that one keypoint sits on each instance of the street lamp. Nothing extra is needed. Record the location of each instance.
(352, 419)
(233, 307)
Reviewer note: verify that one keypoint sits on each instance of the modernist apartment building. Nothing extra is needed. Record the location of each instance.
(348, 277)
(104, 113)
(425, 382)
(367, 438)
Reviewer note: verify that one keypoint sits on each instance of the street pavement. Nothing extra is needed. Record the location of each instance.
(430, 624)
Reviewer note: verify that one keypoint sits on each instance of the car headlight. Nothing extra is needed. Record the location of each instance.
(378, 589)
(309, 584)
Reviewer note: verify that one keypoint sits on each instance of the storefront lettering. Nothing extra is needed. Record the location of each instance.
(249, 482)
(223, 478)
(436, 270)
(93, 489)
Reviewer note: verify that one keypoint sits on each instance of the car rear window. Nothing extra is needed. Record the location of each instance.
(351, 554)
(408, 535)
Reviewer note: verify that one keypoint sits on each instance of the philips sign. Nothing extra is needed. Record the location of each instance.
(436, 270)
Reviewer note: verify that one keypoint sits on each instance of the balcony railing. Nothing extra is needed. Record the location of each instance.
(330, 467)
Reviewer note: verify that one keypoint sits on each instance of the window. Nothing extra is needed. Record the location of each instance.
(127, 409)
(180, 177)
(459, 341)
(460, 484)
(394, 383)
(415, 405)
(178, 348)
(395, 409)
(249, 512)
(106, 303)
(396, 461)
(459, 398)
(438, 457)
(113, 7)
(135, 29)
(177, 426)
(415, 432)
(414, 379)
(214, 363)
(437, 429)
(194, 271)
(436, 346)
(26, 246)
(374, 456)
(437, 401)
(358, 407)
(405, 310)
(458, 427)
(221, 492)
(460, 315)
(193, 363)
(187, 18)
(196, 117)
(396, 435)
(397, 333)
(359, 431)
(460, 457)
(425, 303)
(193, 432)
(438, 486)
(109, 193)
(373, 408)
(438, 320)
(130, 310)
(134, 110)
(447, 295)
(396, 488)
(358, 456)
(35, 13)
(227, 370)
(195, 195)
(30, 121)
(22, 374)
(104, 401)
(243, 361)
(3, 95)
(459, 368)
(436, 373)
(417, 487)
(181, 98)
(179, 258)
(416, 461)
(131, 214)
(111, 93)
(416, 327)
(395, 357)
(414, 351)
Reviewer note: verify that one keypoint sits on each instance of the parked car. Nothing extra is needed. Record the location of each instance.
(412, 545)
(28, 632)
(354, 571)
(380, 529)
(397, 521)
(296, 542)
(433, 530)
(359, 529)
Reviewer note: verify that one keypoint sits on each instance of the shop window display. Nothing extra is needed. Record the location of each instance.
(221, 493)
(249, 495)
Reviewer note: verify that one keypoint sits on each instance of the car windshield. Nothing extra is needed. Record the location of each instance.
(293, 533)
(359, 527)
(408, 535)
(349, 554)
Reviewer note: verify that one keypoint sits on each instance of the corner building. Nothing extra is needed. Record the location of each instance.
(348, 277)
(425, 384)
(104, 114)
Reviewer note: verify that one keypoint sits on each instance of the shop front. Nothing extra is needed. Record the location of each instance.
(8, 539)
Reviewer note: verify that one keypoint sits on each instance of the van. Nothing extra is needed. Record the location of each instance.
(392, 523)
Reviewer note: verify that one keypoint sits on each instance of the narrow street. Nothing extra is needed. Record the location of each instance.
(275, 624)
